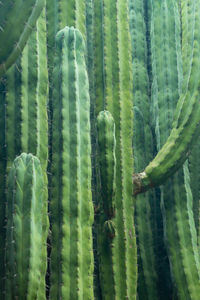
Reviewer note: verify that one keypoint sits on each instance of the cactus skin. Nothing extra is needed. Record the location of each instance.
(25, 233)
(107, 160)
(71, 204)
(15, 28)
(106, 228)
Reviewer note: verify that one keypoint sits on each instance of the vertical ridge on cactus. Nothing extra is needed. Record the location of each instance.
(24, 229)
(15, 28)
(71, 203)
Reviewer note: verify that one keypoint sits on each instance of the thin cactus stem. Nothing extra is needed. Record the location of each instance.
(106, 228)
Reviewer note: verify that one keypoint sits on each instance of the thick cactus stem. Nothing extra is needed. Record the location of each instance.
(71, 203)
(25, 231)
(17, 20)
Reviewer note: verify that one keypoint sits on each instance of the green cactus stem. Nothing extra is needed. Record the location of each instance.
(117, 84)
(25, 231)
(106, 228)
(17, 19)
(71, 203)
(146, 230)
(61, 13)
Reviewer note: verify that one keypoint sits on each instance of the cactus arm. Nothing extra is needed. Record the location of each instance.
(107, 166)
(16, 28)
(24, 228)
(184, 130)
(71, 191)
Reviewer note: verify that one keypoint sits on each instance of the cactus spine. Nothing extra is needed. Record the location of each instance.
(25, 233)
(71, 203)
(106, 230)
(15, 28)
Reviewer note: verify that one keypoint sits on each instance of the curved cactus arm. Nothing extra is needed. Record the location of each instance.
(184, 131)
(17, 20)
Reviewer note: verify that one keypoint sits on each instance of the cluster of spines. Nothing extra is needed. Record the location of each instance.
(71, 202)
(15, 28)
(26, 215)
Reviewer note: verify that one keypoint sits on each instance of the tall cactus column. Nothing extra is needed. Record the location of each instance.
(25, 233)
(147, 207)
(116, 88)
(71, 203)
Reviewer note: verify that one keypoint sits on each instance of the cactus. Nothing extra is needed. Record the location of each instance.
(60, 14)
(143, 152)
(25, 95)
(71, 203)
(26, 99)
(179, 229)
(15, 28)
(25, 232)
(113, 93)
(183, 134)
(106, 228)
